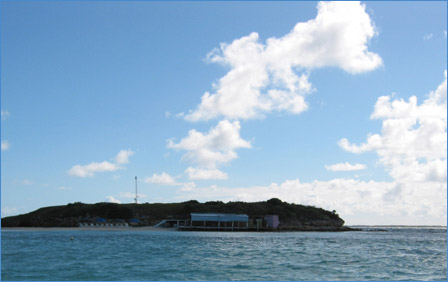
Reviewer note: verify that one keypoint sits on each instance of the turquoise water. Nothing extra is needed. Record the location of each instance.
(399, 254)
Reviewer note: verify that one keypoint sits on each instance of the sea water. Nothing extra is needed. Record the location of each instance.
(398, 254)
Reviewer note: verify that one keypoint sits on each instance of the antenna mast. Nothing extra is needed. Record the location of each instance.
(136, 195)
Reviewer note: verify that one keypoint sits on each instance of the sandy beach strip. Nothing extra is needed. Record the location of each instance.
(144, 228)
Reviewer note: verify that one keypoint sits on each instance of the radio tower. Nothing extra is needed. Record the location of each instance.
(136, 195)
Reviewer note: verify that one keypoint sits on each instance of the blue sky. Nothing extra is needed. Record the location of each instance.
(95, 93)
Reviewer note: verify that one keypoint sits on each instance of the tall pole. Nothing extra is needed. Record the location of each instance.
(136, 195)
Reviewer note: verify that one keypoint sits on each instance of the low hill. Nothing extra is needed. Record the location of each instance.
(291, 216)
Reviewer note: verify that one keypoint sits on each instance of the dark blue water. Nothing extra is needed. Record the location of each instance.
(399, 254)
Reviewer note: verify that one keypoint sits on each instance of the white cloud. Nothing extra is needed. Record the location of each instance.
(5, 145)
(204, 174)
(274, 76)
(428, 36)
(4, 114)
(214, 148)
(190, 186)
(111, 199)
(123, 156)
(345, 167)
(128, 195)
(413, 141)
(163, 179)
(357, 202)
(357, 149)
(92, 168)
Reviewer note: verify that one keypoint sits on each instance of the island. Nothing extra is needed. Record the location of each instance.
(270, 215)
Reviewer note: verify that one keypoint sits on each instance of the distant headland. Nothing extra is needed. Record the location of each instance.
(270, 215)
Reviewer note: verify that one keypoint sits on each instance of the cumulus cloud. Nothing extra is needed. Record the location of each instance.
(94, 167)
(190, 186)
(123, 156)
(203, 174)
(212, 149)
(5, 145)
(128, 195)
(274, 76)
(90, 169)
(387, 201)
(111, 199)
(345, 167)
(118, 198)
(413, 140)
(163, 179)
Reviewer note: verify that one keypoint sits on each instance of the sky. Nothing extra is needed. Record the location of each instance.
(339, 105)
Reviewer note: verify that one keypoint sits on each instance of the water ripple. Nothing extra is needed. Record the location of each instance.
(404, 254)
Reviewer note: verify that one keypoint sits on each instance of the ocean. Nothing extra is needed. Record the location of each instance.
(397, 254)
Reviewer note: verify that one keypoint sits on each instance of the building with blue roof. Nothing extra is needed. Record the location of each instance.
(219, 221)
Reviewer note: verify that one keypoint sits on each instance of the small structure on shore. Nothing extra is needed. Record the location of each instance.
(102, 222)
(217, 221)
(272, 221)
(264, 222)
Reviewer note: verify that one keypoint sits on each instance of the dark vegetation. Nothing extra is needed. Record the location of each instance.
(291, 216)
